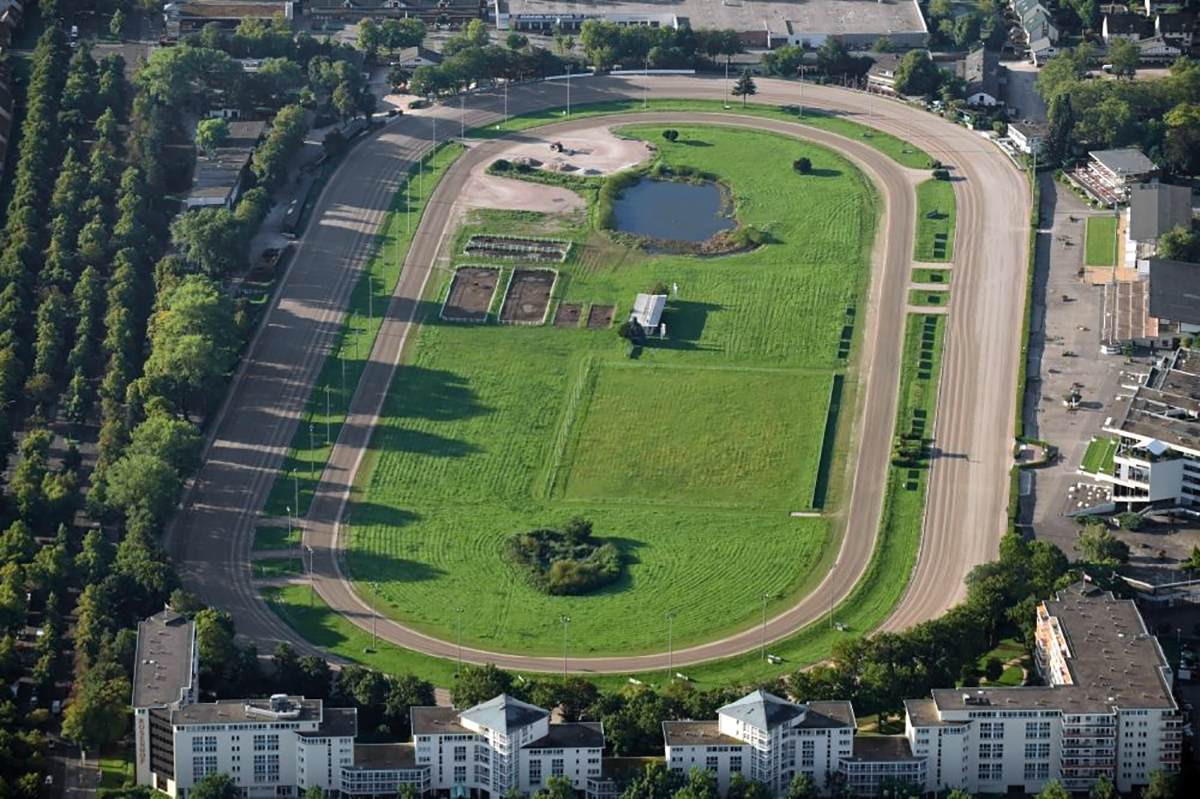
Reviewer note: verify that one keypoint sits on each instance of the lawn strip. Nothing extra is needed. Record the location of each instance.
(935, 221)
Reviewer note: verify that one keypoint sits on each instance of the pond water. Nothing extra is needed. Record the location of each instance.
(665, 209)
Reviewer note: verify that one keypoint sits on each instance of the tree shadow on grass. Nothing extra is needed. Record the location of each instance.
(434, 394)
(817, 172)
(385, 567)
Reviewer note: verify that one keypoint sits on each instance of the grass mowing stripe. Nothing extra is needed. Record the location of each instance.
(935, 221)
(313, 441)
(899, 150)
(1101, 241)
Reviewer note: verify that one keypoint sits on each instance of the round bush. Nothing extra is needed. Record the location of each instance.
(802, 165)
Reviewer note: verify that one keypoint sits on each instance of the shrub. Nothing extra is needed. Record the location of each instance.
(935, 164)
(748, 237)
(802, 165)
(670, 134)
(566, 562)
(941, 174)
(501, 165)
(660, 288)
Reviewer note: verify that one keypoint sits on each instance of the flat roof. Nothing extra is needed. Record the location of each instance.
(571, 735)
(1125, 161)
(1155, 208)
(881, 748)
(829, 714)
(1175, 290)
(834, 17)
(1167, 406)
(225, 9)
(384, 757)
(436, 720)
(1127, 314)
(1115, 663)
(697, 733)
(336, 722)
(162, 670)
(217, 175)
(243, 711)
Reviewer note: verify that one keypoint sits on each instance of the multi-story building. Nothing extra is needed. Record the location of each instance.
(1157, 460)
(504, 744)
(1107, 709)
(765, 738)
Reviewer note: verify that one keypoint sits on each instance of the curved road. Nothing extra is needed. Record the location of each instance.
(211, 537)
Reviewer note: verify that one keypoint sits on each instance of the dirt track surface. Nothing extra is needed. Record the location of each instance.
(210, 538)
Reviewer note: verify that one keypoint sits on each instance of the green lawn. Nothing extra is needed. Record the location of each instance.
(1007, 650)
(339, 375)
(1098, 459)
(897, 149)
(926, 275)
(926, 297)
(1101, 248)
(265, 568)
(116, 770)
(688, 456)
(935, 221)
(267, 537)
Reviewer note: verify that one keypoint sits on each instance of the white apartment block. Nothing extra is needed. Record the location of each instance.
(270, 747)
(1157, 462)
(504, 744)
(1107, 709)
(766, 739)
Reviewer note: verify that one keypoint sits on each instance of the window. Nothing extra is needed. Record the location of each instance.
(991, 729)
(556, 767)
(460, 754)
(266, 743)
(1037, 729)
(989, 772)
(1037, 751)
(991, 751)
(735, 764)
(460, 775)
(712, 763)
(204, 743)
(1037, 771)
(203, 765)
(535, 772)
(266, 768)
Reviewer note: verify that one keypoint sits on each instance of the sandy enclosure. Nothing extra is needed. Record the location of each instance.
(594, 151)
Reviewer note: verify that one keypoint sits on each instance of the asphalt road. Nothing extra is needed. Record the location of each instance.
(211, 537)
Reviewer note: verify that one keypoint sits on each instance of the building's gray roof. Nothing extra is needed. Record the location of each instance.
(881, 749)
(983, 71)
(1155, 208)
(762, 710)
(224, 9)
(504, 714)
(162, 671)
(336, 722)
(1175, 291)
(385, 757)
(1124, 161)
(573, 735)
(838, 713)
(923, 713)
(1114, 663)
(1029, 130)
(413, 53)
(244, 711)
(697, 733)
(1125, 24)
(1167, 407)
(884, 65)
(436, 720)
(216, 176)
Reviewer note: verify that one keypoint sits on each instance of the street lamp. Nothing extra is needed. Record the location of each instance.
(670, 648)
(831, 571)
(374, 614)
(566, 620)
(569, 67)
(765, 597)
(312, 587)
(726, 99)
(460, 612)
(646, 84)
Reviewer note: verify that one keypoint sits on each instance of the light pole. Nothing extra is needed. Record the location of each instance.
(835, 565)
(566, 620)
(765, 597)
(328, 422)
(726, 98)
(459, 612)
(312, 586)
(506, 101)
(291, 521)
(646, 85)
(296, 491)
(569, 67)
(312, 449)
(670, 648)
(374, 615)
(370, 298)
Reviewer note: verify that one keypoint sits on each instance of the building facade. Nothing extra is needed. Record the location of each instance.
(1106, 709)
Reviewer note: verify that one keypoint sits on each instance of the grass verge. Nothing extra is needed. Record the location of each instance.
(899, 150)
(935, 221)
(1101, 241)
(116, 770)
(267, 568)
(1099, 456)
(923, 275)
(268, 537)
(330, 398)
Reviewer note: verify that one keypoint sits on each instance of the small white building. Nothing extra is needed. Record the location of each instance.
(1027, 137)
(504, 744)
(765, 738)
(648, 310)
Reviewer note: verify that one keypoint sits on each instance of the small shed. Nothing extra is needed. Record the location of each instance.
(647, 311)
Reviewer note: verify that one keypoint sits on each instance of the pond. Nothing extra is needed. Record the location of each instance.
(672, 211)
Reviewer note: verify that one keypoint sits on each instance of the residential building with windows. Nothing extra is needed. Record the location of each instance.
(1028, 137)
(984, 75)
(879, 761)
(1157, 462)
(765, 738)
(504, 744)
(1106, 710)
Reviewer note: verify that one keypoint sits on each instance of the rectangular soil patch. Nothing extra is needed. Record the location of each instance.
(600, 316)
(470, 294)
(567, 314)
(528, 296)
(518, 248)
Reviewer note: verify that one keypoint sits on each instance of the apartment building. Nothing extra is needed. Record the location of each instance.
(504, 744)
(765, 738)
(1106, 709)
(1157, 462)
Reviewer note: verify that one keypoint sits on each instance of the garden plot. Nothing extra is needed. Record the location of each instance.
(518, 248)
(600, 316)
(470, 294)
(567, 314)
(528, 296)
